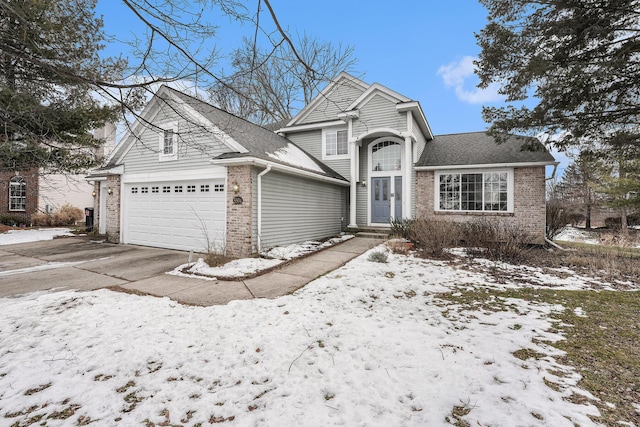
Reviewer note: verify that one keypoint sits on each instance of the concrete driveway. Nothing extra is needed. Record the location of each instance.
(80, 263)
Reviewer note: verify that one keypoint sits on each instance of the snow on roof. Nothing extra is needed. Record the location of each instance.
(294, 156)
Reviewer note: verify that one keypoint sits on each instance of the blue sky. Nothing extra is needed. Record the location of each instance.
(422, 49)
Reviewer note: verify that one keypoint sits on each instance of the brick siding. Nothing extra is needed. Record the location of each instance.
(239, 242)
(112, 209)
(529, 207)
(32, 182)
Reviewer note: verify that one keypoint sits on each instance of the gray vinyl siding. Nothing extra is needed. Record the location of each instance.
(196, 147)
(311, 142)
(337, 101)
(379, 112)
(295, 209)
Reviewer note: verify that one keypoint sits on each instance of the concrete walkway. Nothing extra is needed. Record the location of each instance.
(281, 281)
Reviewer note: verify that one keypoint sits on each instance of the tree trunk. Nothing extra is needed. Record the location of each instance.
(624, 226)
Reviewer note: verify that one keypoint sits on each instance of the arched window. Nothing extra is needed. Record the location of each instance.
(17, 194)
(386, 156)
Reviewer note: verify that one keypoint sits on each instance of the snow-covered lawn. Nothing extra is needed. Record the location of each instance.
(32, 235)
(369, 344)
(246, 267)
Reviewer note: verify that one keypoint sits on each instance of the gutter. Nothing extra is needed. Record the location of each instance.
(483, 166)
(278, 167)
(260, 175)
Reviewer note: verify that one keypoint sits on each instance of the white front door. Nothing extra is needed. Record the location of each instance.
(184, 215)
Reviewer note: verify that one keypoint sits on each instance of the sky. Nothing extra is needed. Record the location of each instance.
(421, 49)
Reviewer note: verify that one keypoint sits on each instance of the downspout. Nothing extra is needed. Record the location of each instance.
(260, 175)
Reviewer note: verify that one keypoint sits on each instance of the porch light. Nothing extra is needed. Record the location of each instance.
(109, 190)
(363, 183)
(93, 193)
(235, 188)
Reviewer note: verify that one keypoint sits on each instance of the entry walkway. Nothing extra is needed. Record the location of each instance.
(281, 281)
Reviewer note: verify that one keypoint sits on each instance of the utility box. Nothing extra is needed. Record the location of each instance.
(88, 219)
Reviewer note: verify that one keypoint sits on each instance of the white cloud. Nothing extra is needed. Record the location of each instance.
(460, 75)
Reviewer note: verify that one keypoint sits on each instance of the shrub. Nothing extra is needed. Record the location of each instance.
(11, 220)
(557, 218)
(400, 227)
(633, 219)
(613, 223)
(378, 256)
(498, 240)
(66, 215)
(433, 236)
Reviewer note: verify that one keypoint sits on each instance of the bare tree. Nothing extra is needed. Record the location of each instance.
(55, 85)
(270, 85)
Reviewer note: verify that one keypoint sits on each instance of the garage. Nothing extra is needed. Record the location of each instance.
(186, 215)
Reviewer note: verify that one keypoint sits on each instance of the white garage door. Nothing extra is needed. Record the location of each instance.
(186, 215)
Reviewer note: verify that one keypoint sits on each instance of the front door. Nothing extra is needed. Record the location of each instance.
(380, 200)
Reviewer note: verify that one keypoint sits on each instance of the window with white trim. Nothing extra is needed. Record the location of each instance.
(168, 145)
(17, 194)
(335, 143)
(476, 191)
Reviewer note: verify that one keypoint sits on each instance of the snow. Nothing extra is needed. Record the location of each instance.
(250, 266)
(294, 156)
(573, 234)
(370, 344)
(32, 235)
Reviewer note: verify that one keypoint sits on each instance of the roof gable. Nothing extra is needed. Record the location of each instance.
(334, 98)
(372, 91)
(244, 139)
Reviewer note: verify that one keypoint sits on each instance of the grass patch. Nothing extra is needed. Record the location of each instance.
(602, 342)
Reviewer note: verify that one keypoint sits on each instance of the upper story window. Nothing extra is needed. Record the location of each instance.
(335, 144)
(168, 145)
(386, 156)
(17, 194)
(478, 191)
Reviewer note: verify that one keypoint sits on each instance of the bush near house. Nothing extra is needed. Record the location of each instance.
(493, 239)
(66, 215)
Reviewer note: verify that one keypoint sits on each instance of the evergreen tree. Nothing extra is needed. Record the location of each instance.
(49, 65)
(579, 60)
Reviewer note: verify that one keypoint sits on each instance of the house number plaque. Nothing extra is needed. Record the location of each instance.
(237, 200)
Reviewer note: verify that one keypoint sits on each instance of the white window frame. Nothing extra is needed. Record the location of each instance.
(19, 183)
(510, 190)
(331, 133)
(167, 157)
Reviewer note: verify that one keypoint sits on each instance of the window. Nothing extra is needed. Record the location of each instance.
(144, 190)
(17, 194)
(154, 189)
(166, 189)
(168, 145)
(178, 189)
(486, 191)
(386, 156)
(336, 143)
(204, 188)
(218, 187)
(191, 188)
(134, 190)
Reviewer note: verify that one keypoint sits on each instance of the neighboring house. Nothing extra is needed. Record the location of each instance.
(24, 193)
(190, 176)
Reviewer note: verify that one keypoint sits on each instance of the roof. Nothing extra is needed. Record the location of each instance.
(479, 148)
(257, 141)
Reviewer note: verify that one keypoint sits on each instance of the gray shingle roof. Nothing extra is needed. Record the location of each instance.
(257, 140)
(478, 148)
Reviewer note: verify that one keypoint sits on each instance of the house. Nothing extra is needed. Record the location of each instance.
(192, 177)
(24, 193)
